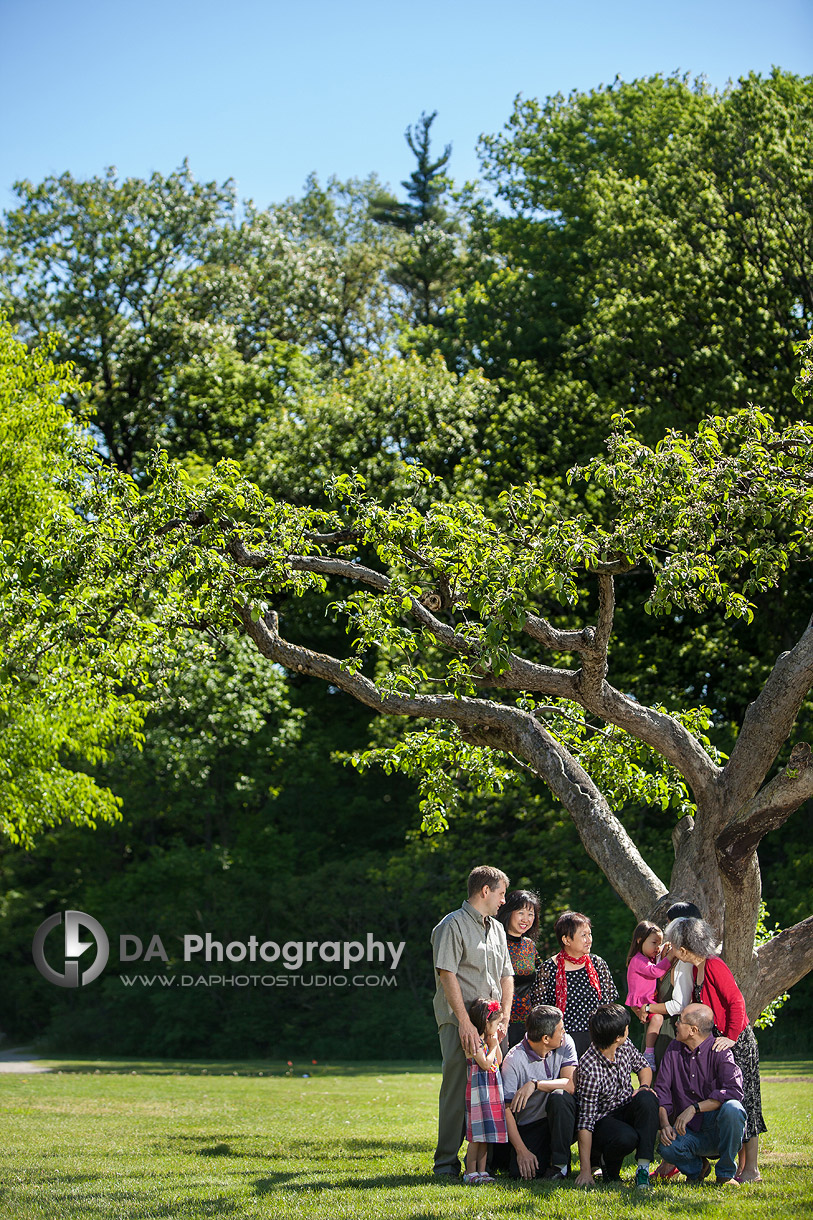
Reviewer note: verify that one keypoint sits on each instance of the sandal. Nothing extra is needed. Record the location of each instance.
(471, 1179)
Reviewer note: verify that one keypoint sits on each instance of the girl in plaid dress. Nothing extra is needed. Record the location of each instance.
(485, 1103)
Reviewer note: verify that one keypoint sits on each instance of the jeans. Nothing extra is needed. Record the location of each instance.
(720, 1136)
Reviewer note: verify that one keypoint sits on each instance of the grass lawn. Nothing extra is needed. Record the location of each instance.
(96, 1140)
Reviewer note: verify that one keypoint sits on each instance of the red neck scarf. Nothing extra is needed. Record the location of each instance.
(561, 976)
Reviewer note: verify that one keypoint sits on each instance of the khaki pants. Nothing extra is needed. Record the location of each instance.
(452, 1101)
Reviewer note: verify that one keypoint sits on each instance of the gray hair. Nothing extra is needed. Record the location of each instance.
(694, 935)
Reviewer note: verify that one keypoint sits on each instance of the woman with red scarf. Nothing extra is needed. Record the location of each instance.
(576, 981)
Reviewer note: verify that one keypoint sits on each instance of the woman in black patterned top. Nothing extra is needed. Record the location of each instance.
(519, 915)
(576, 981)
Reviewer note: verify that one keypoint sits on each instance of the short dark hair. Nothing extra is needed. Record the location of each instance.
(542, 1021)
(568, 922)
(518, 900)
(608, 1023)
(483, 875)
(683, 910)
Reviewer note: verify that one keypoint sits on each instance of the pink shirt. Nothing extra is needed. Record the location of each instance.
(642, 979)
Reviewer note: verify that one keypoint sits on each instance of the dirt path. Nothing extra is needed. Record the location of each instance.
(19, 1059)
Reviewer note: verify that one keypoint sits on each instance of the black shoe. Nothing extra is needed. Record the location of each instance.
(552, 1174)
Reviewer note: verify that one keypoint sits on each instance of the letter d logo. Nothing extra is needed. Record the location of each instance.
(74, 948)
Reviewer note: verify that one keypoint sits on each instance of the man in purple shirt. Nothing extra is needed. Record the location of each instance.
(699, 1091)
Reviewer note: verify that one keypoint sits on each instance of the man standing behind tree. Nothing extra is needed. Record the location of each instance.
(470, 955)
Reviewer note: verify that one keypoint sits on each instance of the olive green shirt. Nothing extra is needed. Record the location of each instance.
(473, 947)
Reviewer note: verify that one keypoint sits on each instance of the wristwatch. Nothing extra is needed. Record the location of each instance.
(697, 1107)
(646, 1009)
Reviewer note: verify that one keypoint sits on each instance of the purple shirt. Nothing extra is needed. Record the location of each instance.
(686, 1076)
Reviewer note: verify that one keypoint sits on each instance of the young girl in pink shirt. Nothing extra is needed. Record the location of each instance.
(643, 972)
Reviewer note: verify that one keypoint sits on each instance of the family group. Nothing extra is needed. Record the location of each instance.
(537, 1055)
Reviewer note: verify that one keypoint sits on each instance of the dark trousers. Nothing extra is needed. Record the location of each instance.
(550, 1138)
(629, 1128)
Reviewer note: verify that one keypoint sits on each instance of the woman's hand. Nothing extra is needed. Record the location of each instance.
(723, 1044)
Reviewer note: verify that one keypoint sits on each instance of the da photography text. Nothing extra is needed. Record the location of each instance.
(290, 956)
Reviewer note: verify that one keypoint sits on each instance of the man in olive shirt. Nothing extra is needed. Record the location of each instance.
(470, 955)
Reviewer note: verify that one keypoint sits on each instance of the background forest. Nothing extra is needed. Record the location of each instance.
(647, 248)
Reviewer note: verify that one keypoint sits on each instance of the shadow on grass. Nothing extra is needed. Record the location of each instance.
(63, 1198)
(250, 1068)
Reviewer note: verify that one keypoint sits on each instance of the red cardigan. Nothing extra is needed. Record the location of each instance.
(723, 997)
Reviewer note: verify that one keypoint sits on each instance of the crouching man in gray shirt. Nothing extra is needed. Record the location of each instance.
(540, 1107)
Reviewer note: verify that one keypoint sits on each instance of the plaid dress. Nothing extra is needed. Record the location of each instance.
(485, 1106)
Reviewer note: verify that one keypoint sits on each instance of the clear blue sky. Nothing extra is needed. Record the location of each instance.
(265, 91)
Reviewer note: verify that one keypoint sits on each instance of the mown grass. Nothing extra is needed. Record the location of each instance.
(143, 1141)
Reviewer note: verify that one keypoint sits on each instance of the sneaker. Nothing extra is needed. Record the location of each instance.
(471, 1179)
(486, 1179)
(727, 1182)
(642, 1181)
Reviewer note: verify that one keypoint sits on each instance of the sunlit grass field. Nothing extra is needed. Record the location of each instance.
(98, 1140)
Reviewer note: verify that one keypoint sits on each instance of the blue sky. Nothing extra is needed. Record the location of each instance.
(265, 91)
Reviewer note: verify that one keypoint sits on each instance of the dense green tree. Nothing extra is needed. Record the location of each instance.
(381, 418)
(652, 253)
(59, 713)
(125, 274)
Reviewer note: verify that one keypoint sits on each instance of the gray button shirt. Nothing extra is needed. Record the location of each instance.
(473, 947)
(522, 1064)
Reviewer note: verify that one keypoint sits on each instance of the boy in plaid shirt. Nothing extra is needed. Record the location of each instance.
(614, 1118)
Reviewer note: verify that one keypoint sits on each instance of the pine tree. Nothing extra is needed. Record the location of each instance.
(426, 258)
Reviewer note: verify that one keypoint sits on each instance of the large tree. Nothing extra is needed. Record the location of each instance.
(496, 629)
(652, 252)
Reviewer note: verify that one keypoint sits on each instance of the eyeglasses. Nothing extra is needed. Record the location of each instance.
(682, 1021)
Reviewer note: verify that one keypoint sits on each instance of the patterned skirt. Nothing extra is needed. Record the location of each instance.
(485, 1107)
(746, 1057)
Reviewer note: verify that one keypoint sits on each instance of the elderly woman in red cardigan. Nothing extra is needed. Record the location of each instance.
(693, 941)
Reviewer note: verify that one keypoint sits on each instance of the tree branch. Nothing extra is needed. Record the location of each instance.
(499, 727)
(781, 962)
(769, 809)
(659, 730)
(768, 722)
(594, 658)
